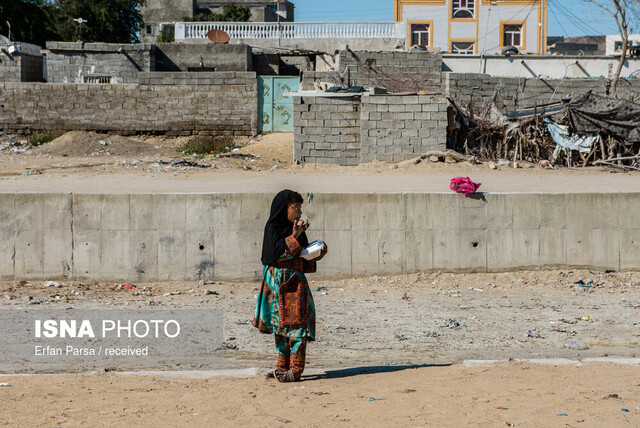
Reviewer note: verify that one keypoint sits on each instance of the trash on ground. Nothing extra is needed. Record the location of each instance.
(52, 284)
(451, 324)
(572, 344)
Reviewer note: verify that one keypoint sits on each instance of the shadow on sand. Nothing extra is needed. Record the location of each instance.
(355, 371)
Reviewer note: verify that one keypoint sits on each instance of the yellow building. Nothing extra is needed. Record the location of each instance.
(469, 27)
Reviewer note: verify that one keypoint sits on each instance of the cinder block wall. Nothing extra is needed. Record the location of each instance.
(73, 62)
(326, 130)
(518, 93)
(395, 71)
(10, 68)
(351, 130)
(400, 127)
(172, 103)
(21, 67)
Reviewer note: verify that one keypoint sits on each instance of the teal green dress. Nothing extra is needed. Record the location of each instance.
(267, 313)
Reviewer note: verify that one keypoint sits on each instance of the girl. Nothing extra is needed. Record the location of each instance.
(285, 306)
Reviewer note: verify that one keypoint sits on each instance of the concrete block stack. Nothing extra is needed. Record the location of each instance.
(20, 67)
(400, 127)
(327, 130)
(356, 129)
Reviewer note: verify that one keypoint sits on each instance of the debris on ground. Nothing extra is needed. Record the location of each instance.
(52, 284)
(586, 130)
(451, 323)
(16, 147)
(572, 344)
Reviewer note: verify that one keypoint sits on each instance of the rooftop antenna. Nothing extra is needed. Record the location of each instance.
(80, 21)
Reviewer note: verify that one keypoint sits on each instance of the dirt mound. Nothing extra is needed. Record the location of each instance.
(80, 143)
(272, 147)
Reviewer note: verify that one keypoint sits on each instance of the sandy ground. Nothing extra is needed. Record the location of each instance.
(434, 318)
(264, 164)
(511, 394)
(400, 340)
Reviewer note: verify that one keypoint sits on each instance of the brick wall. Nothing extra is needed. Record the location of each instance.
(75, 62)
(401, 127)
(21, 68)
(326, 130)
(519, 93)
(173, 103)
(395, 71)
(352, 130)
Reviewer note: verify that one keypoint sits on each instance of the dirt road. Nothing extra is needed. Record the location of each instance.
(144, 165)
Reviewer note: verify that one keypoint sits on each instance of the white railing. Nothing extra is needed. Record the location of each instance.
(293, 30)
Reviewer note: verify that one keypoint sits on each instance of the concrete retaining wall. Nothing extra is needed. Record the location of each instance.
(219, 236)
(518, 93)
(183, 56)
(173, 103)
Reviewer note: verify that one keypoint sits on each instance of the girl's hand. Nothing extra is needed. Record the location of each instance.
(322, 254)
(300, 227)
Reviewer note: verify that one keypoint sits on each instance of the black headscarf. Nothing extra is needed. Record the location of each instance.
(277, 229)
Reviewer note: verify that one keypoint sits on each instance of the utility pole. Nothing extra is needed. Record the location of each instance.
(486, 30)
(279, 28)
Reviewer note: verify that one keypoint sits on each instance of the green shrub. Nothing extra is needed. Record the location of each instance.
(42, 137)
(230, 13)
(202, 145)
(167, 34)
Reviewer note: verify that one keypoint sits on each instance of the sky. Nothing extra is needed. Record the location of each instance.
(567, 18)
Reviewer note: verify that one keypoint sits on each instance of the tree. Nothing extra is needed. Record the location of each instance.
(230, 13)
(31, 21)
(109, 21)
(624, 13)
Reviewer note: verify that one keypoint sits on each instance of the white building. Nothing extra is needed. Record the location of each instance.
(614, 44)
(469, 27)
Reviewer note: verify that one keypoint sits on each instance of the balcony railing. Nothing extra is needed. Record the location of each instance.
(293, 30)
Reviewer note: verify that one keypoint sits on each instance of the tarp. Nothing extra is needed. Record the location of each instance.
(566, 142)
(591, 114)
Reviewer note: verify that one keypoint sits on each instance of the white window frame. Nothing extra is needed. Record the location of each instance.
(469, 51)
(421, 34)
(512, 34)
(465, 7)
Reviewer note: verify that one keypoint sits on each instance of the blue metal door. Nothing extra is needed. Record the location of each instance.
(275, 112)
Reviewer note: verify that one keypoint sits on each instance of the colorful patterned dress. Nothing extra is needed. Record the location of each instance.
(285, 308)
